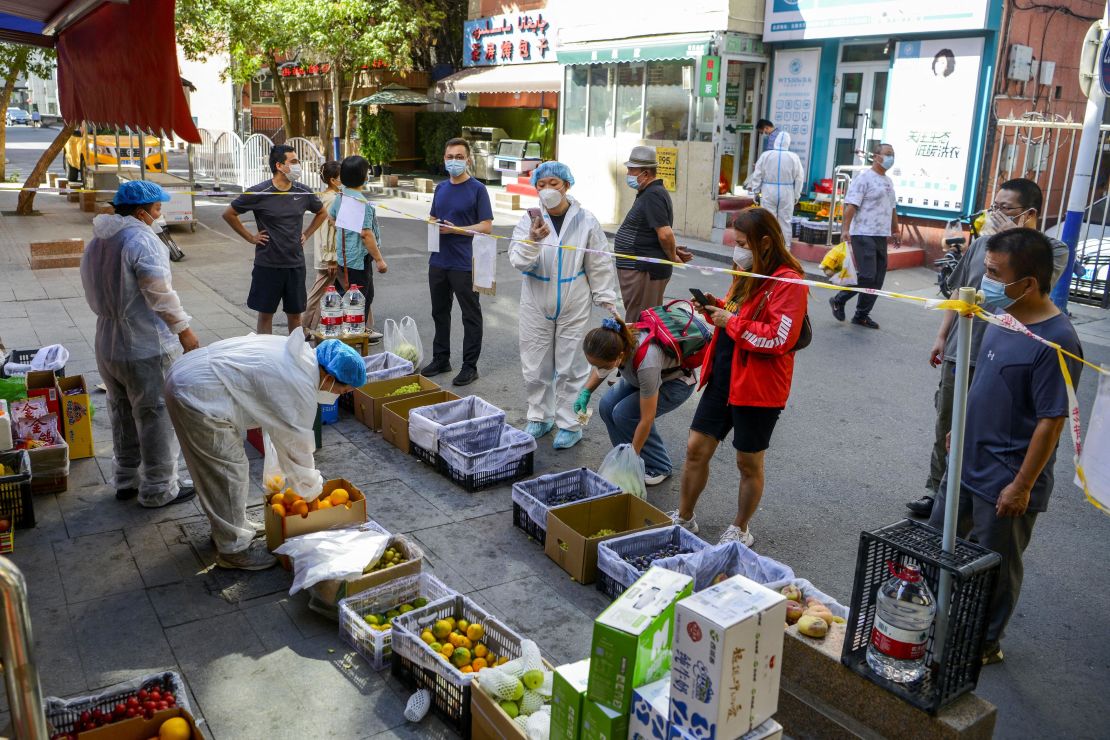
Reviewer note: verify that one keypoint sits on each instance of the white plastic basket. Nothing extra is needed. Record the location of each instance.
(470, 416)
(386, 366)
(377, 645)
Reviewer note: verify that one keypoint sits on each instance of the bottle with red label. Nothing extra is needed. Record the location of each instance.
(903, 618)
(331, 313)
(354, 312)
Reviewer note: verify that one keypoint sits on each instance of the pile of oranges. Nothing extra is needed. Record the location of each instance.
(289, 503)
(459, 643)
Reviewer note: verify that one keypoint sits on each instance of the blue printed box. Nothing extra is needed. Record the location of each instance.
(650, 706)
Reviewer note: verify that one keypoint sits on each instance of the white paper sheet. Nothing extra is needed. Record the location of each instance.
(485, 261)
(352, 214)
(433, 237)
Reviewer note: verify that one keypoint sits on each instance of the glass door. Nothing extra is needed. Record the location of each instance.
(740, 102)
(859, 103)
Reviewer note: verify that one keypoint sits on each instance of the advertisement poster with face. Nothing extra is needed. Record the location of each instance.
(929, 119)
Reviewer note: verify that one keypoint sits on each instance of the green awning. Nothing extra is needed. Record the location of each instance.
(634, 50)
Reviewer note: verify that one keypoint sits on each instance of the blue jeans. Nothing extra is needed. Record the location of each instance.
(620, 410)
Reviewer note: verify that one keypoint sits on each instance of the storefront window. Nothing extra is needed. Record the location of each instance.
(263, 92)
(705, 120)
(574, 100)
(669, 94)
(630, 98)
(878, 99)
(601, 100)
(865, 52)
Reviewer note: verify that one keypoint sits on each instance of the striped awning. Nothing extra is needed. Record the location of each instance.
(643, 48)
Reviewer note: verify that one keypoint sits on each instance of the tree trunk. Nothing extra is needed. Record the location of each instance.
(348, 115)
(279, 95)
(26, 201)
(19, 64)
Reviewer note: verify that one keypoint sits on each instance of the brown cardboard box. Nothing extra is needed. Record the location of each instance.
(279, 529)
(573, 524)
(395, 416)
(75, 416)
(487, 720)
(49, 469)
(330, 592)
(41, 383)
(138, 728)
(370, 398)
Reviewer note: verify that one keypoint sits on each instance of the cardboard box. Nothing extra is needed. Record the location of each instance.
(395, 416)
(727, 659)
(569, 528)
(632, 638)
(568, 697)
(602, 723)
(370, 398)
(41, 383)
(49, 469)
(769, 730)
(651, 705)
(279, 529)
(76, 416)
(138, 728)
(487, 720)
(331, 591)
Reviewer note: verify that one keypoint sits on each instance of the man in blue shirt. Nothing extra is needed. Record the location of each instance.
(1016, 409)
(460, 204)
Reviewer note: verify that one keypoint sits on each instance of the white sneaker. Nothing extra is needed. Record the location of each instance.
(255, 557)
(735, 534)
(654, 480)
(374, 335)
(690, 524)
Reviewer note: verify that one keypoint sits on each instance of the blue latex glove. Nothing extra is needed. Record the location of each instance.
(583, 401)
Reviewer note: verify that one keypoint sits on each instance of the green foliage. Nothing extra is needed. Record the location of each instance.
(16, 60)
(377, 136)
(434, 129)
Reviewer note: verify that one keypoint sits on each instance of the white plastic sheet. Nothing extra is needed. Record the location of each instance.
(1094, 459)
(729, 559)
(352, 214)
(470, 414)
(433, 237)
(386, 366)
(473, 459)
(485, 262)
(53, 357)
(333, 554)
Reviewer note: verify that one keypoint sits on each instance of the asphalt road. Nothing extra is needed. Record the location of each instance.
(24, 147)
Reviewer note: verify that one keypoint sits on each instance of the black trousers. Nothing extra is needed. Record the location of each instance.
(869, 253)
(443, 286)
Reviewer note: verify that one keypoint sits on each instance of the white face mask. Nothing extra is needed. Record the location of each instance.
(604, 372)
(294, 172)
(326, 397)
(742, 256)
(551, 198)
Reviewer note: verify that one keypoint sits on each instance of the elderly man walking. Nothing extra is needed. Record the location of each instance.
(870, 219)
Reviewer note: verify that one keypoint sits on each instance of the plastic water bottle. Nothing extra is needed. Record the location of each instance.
(903, 616)
(331, 313)
(354, 311)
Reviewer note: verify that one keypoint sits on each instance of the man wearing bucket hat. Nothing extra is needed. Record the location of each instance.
(141, 328)
(646, 232)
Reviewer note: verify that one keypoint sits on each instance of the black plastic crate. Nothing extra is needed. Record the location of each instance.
(953, 670)
(553, 491)
(609, 586)
(424, 455)
(64, 716)
(474, 482)
(15, 490)
(24, 357)
(521, 520)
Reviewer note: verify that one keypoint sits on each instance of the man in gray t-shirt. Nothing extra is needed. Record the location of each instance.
(1017, 203)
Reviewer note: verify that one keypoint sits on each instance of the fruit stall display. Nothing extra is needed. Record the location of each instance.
(532, 499)
(142, 697)
(622, 560)
(366, 619)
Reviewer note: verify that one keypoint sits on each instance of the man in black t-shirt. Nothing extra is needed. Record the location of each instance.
(646, 232)
(279, 205)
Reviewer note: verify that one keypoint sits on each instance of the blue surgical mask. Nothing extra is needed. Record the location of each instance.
(888, 161)
(455, 167)
(633, 181)
(994, 294)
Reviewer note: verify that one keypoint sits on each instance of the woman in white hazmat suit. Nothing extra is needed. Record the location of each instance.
(141, 328)
(216, 394)
(559, 287)
(779, 179)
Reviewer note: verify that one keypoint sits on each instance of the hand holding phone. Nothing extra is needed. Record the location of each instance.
(699, 297)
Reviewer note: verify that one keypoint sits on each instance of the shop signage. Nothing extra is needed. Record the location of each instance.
(791, 20)
(512, 38)
(667, 157)
(709, 81)
(793, 94)
(930, 115)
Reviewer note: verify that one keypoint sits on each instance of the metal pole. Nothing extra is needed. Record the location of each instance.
(955, 461)
(337, 79)
(21, 676)
(1081, 180)
(142, 154)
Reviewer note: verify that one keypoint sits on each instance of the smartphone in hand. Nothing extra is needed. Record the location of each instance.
(699, 297)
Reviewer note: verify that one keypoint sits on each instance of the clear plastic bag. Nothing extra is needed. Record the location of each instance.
(729, 559)
(469, 417)
(623, 467)
(809, 591)
(332, 554)
(387, 366)
(403, 340)
(470, 458)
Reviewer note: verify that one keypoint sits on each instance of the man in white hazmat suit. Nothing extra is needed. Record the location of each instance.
(559, 288)
(216, 394)
(141, 328)
(779, 179)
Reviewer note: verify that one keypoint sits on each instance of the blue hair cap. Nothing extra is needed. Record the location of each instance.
(552, 169)
(341, 362)
(138, 192)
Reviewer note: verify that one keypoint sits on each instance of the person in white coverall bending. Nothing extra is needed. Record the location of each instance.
(214, 395)
(559, 288)
(779, 179)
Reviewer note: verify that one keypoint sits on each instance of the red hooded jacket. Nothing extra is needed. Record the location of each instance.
(763, 361)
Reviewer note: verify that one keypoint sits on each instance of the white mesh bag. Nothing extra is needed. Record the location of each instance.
(538, 726)
(498, 684)
(418, 705)
(538, 495)
(531, 702)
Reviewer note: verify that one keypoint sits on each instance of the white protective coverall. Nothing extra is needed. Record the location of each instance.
(216, 393)
(779, 179)
(125, 271)
(555, 297)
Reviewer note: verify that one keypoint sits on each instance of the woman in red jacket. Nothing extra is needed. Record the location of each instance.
(747, 370)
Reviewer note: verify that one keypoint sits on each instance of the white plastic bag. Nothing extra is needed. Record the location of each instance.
(403, 340)
(333, 554)
(1094, 460)
(623, 467)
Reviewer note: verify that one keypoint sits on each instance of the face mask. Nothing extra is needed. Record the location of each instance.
(633, 181)
(742, 256)
(888, 161)
(455, 167)
(994, 294)
(294, 172)
(551, 198)
(326, 397)
(603, 372)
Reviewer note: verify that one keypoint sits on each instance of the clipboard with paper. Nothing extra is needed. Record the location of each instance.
(484, 264)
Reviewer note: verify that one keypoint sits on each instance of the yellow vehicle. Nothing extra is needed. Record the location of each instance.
(101, 149)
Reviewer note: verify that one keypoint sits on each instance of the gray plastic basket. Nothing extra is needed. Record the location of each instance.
(532, 499)
(470, 417)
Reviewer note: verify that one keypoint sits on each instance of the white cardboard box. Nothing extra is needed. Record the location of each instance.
(727, 657)
(769, 730)
(650, 706)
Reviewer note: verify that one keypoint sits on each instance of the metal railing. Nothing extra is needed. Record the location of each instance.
(21, 675)
(227, 160)
(311, 159)
(1045, 152)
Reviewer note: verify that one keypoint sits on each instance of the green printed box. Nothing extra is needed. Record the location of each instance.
(602, 723)
(632, 638)
(568, 694)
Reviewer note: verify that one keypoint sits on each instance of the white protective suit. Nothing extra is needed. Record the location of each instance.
(216, 393)
(125, 271)
(555, 297)
(779, 179)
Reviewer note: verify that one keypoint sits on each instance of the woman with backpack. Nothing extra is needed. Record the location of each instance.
(748, 368)
(652, 383)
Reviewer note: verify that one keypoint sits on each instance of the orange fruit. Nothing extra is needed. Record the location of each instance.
(339, 497)
(465, 643)
(467, 669)
(277, 498)
(475, 632)
(480, 650)
(323, 504)
(300, 508)
(175, 728)
(478, 664)
(278, 509)
(448, 651)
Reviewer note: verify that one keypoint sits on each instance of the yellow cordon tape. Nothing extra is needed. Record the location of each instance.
(1005, 321)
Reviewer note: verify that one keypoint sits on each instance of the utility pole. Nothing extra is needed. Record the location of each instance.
(1081, 179)
(337, 77)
